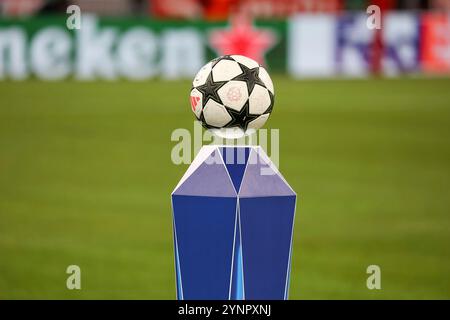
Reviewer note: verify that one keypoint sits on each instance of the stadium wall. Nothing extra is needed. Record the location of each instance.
(305, 46)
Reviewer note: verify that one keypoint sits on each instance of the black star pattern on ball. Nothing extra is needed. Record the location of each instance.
(216, 60)
(250, 76)
(209, 90)
(241, 118)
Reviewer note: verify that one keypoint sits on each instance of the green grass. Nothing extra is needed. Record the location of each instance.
(85, 178)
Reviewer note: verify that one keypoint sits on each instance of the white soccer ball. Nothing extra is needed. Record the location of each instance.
(232, 95)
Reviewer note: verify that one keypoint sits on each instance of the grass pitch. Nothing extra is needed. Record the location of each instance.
(86, 177)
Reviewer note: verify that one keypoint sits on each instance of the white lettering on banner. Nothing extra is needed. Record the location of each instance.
(94, 51)
(50, 54)
(137, 53)
(180, 53)
(101, 53)
(183, 53)
(12, 53)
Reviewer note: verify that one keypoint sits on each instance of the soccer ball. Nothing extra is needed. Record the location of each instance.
(232, 95)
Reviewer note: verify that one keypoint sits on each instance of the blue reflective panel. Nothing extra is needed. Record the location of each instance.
(235, 159)
(266, 229)
(237, 287)
(204, 228)
(177, 269)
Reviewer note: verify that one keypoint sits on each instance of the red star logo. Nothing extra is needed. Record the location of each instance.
(243, 39)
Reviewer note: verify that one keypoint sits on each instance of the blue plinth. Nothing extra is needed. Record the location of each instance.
(233, 216)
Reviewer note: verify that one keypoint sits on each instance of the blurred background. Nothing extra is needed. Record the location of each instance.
(87, 111)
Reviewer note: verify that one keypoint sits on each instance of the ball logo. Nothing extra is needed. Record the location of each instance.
(194, 102)
(234, 94)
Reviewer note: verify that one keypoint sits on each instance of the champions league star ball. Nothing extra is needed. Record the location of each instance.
(232, 95)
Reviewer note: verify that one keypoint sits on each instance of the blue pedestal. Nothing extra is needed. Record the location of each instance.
(233, 216)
